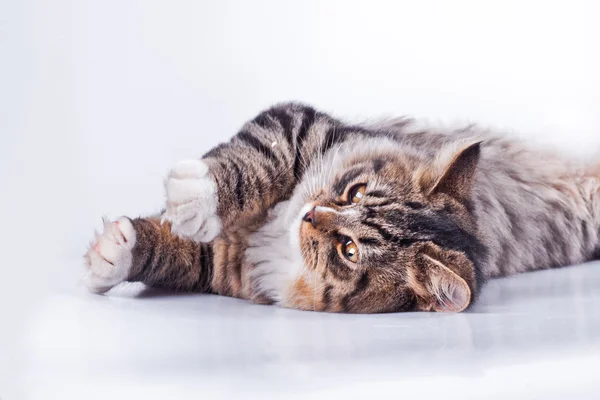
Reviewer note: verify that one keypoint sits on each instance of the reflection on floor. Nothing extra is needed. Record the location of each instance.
(536, 334)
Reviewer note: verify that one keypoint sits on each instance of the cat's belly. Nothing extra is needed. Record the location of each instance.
(231, 271)
(260, 262)
(259, 273)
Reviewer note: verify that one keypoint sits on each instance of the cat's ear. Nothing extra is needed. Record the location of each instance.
(452, 173)
(438, 287)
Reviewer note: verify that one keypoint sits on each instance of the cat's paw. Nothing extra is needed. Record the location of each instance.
(109, 257)
(192, 201)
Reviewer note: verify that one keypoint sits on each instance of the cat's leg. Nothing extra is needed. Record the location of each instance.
(145, 250)
(240, 180)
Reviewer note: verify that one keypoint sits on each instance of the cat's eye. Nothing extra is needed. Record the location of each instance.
(350, 250)
(356, 193)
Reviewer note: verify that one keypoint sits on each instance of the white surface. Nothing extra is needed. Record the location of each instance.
(99, 99)
(532, 336)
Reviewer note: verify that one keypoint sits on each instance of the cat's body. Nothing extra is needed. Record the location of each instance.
(303, 211)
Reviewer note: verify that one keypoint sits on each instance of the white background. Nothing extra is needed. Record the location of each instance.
(99, 98)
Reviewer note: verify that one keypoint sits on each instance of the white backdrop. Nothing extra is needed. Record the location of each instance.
(99, 98)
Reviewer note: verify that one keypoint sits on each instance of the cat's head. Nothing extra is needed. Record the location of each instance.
(385, 229)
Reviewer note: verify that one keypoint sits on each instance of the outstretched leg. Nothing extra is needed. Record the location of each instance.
(145, 250)
(235, 183)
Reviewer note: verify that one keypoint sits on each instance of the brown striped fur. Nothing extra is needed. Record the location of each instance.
(441, 213)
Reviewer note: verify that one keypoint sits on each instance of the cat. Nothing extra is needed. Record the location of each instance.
(303, 211)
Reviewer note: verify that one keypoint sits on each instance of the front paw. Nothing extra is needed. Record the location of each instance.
(109, 258)
(192, 201)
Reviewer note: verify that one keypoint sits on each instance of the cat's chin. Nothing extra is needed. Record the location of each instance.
(274, 250)
(294, 232)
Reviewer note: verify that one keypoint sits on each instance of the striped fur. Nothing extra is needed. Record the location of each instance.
(441, 213)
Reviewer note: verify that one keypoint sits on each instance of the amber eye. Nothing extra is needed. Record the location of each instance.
(356, 193)
(350, 250)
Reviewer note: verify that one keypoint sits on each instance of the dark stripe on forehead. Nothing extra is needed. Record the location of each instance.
(369, 241)
(440, 229)
(377, 193)
(382, 232)
(402, 241)
(340, 185)
(256, 144)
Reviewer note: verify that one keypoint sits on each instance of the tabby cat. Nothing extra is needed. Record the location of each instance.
(304, 211)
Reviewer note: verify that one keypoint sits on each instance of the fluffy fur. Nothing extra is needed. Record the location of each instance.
(273, 216)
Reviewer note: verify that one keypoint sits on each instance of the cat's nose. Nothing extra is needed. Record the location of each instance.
(311, 217)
